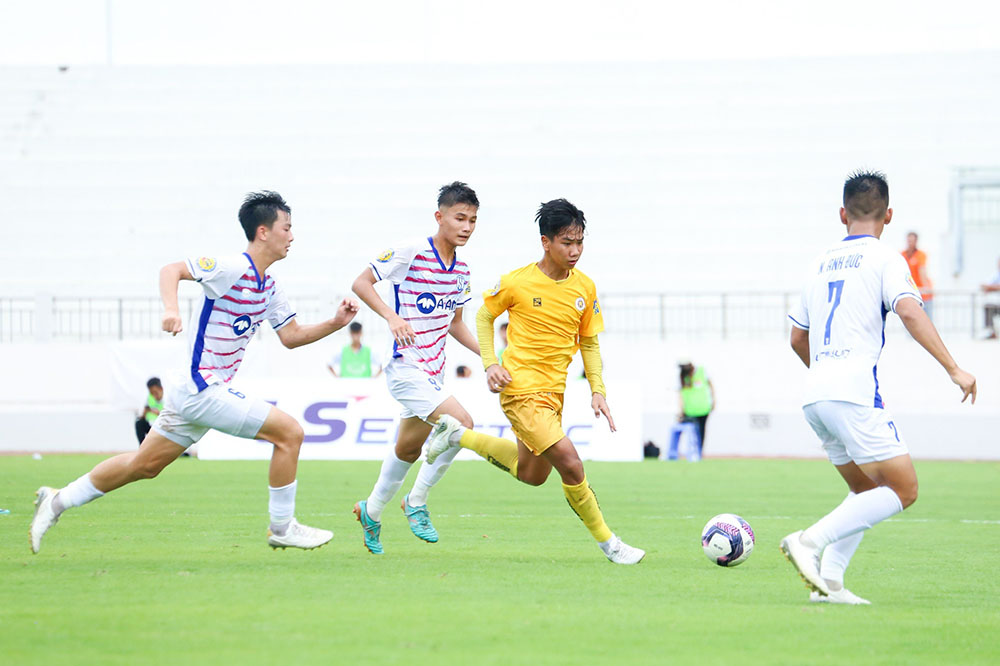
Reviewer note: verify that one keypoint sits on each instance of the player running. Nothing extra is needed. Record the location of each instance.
(430, 287)
(553, 312)
(838, 332)
(239, 297)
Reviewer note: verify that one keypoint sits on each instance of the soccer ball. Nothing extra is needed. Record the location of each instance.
(727, 540)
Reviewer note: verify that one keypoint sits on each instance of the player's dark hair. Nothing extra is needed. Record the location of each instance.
(866, 195)
(457, 193)
(260, 208)
(687, 374)
(554, 216)
(154, 381)
(355, 327)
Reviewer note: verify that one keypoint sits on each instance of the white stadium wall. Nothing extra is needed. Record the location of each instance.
(84, 397)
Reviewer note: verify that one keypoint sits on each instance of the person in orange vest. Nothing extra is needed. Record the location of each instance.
(917, 261)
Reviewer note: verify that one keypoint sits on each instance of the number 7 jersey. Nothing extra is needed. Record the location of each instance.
(847, 295)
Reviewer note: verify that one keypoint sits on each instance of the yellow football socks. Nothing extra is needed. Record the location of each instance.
(583, 501)
(501, 452)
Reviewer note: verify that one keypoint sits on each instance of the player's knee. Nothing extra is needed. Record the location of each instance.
(146, 468)
(907, 495)
(466, 421)
(531, 478)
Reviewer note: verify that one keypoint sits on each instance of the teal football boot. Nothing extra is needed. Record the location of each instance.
(420, 521)
(372, 528)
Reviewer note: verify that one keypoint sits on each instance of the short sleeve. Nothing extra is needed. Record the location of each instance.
(465, 289)
(392, 264)
(217, 274)
(498, 299)
(279, 312)
(592, 321)
(897, 283)
(799, 314)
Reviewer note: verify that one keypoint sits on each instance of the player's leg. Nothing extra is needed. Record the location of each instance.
(869, 437)
(413, 431)
(414, 503)
(152, 456)
(564, 458)
(837, 556)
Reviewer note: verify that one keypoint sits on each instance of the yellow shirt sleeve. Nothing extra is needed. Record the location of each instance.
(590, 350)
(499, 298)
(484, 332)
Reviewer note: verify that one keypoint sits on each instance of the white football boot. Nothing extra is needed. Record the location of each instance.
(440, 440)
(841, 596)
(45, 516)
(806, 560)
(299, 536)
(620, 552)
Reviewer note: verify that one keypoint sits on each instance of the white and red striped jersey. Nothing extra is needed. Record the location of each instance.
(237, 300)
(426, 293)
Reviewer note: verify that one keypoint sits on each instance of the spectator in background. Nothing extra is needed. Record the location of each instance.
(355, 359)
(992, 309)
(503, 342)
(917, 260)
(463, 372)
(154, 403)
(697, 397)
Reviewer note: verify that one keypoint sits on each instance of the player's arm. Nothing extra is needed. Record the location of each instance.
(800, 344)
(461, 332)
(364, 287)
(294, 334)
(922, 329)
(496, 375)
(590, 351)
(171, 276)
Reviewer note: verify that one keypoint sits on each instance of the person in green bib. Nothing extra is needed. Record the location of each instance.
(355, 359)
(154, 403)
(697, 398)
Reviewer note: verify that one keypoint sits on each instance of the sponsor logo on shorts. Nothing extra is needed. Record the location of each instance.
(242, 325)
(426, 302)
(580, 303)
(206, 264)
(385, 256)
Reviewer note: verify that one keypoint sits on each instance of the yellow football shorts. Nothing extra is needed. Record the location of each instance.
(536, 418)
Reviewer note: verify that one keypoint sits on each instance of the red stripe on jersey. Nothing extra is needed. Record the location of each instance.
(215, 353)
(418, 280)
(224, 367)
(212, 337)
(238, 314)
(254, 290)
(241, 301)
(428, 360)
(439, 338)
(432, 330)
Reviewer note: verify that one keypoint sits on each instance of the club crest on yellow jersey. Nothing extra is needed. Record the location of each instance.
(206, 264)
(385, 256)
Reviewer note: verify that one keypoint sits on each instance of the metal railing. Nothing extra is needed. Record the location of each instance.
(718, 316)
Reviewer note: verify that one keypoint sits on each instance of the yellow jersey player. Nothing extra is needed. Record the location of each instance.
(553, 311)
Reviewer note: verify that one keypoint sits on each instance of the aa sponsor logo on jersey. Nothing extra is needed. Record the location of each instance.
(385, 256)
(242, 325)
(427, 303)
(206, 264)
(597, 308)
(537, 302)
(580, 303)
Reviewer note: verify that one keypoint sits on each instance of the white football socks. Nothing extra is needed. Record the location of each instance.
(855, 514)
(281, 506)
(837, 556)
(389, 480)
(429, 475)
(77, 493)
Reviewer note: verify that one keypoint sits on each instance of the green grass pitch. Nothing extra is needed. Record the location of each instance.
(176, 571)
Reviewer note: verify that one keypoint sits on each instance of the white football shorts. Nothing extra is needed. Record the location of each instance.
(186, 417)
(860, 433)
(418, 393)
